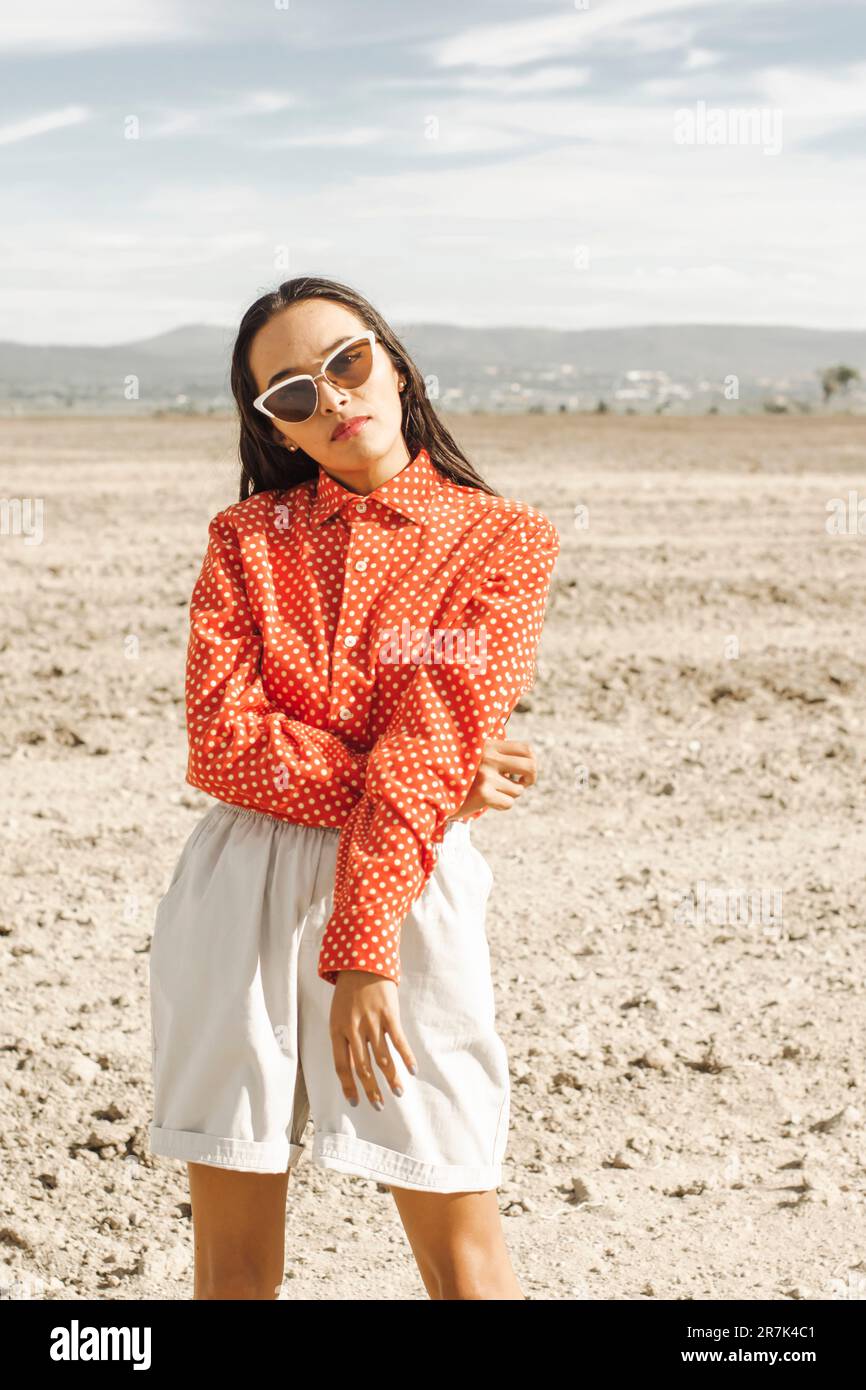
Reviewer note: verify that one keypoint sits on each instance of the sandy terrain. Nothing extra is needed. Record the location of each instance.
(688, 1088)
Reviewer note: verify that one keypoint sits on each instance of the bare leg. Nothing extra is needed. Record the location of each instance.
(458, 1243)
(239, 1227)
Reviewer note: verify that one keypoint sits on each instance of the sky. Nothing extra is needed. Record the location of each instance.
(589, 163)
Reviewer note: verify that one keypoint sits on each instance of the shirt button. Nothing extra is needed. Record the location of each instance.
(360, 564)
(360, 506)
(349, 641)
(345, 713)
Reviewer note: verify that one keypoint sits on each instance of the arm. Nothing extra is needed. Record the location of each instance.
(243, 748)
(422, 767)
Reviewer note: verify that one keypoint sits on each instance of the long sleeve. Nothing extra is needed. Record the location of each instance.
(421, 768)
(243, 748)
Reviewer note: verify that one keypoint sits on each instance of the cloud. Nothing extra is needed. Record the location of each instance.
(61, 26)
(43, 124)
(802, 93)
(538, 39)
(349, 138)
(215, 118)
(700, 58)
(551, 79)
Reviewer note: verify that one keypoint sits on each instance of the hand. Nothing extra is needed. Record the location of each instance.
(364, 1009)
(491, 786)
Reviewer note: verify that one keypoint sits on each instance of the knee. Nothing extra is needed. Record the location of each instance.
(463, 1288)
(480, 1279)
(239, 1282)
(456, 1287)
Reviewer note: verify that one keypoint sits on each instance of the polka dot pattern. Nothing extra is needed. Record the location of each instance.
(348, 658)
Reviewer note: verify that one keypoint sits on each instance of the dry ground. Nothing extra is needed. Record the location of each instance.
(688, 1090)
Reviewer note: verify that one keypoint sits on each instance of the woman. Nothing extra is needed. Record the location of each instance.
(365, 619)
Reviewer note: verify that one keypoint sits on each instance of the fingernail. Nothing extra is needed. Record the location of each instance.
(414, 1069)
(398, 1090)
(353, 1100)
(378, 1105)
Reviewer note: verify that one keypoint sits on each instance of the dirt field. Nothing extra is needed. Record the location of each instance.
(677, 927)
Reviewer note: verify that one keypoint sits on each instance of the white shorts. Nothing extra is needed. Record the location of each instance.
(242, 1054)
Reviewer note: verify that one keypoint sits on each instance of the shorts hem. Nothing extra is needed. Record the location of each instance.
(346, 1155)
(244, 1155)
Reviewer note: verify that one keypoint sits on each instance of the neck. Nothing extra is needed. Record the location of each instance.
(366, 476)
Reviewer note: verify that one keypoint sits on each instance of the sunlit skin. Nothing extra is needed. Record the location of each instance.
(456, 1238)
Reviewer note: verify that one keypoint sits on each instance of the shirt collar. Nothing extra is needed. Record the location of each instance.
(409, 492)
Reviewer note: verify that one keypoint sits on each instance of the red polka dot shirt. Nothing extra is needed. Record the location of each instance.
(348, 658)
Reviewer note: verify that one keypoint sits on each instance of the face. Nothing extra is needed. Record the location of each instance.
(298, 339)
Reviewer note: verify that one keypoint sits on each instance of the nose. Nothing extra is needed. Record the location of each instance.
(327, 390)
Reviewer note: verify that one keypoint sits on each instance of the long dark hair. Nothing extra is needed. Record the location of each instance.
(265, 464)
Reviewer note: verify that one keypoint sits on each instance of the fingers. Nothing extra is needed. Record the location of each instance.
(492, 790)
(401, 1042)
(342, 1065)
(361, 1045)
(517, 758)
(361, 1061)
(509, 745)
(504, 786)
(503, 795)
(350, 1051)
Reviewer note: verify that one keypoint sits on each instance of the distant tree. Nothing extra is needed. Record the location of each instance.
(776, 407)
(563, 409)
(602, 408)
(536, 409)
(837, 378)
(713, 410)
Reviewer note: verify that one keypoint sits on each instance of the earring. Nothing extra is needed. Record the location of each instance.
(402, 384)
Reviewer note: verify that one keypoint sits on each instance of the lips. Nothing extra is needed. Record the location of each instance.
(349, 428)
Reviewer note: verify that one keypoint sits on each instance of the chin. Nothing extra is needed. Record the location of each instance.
(366, 446)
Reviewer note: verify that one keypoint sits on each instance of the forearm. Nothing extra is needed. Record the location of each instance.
(278, 765)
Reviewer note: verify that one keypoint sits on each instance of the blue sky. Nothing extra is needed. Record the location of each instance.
(479, 163)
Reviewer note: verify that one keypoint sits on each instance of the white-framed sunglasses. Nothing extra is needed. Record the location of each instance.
(296, 398)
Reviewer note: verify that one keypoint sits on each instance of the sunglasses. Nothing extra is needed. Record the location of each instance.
(296, 398)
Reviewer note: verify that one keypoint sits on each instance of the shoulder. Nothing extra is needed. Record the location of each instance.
(513, 522)
(532, 525)
(261, 512)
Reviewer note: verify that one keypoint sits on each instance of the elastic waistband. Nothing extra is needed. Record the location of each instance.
(225, 808)
(456, 829)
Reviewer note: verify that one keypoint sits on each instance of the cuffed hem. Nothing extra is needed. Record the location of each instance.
(345, 1155)
(245, 1155)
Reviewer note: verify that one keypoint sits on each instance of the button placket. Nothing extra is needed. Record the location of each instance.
(350, 601)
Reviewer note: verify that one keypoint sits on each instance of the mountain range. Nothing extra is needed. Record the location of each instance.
(679, 367)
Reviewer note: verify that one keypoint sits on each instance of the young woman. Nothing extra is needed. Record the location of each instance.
(365, 619)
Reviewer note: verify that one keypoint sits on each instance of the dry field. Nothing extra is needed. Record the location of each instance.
(678, 923)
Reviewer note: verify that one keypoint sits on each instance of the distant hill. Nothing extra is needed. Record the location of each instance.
(656, 366)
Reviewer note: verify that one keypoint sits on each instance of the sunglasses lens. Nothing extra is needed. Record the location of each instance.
(352, 365)
(293, 403)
